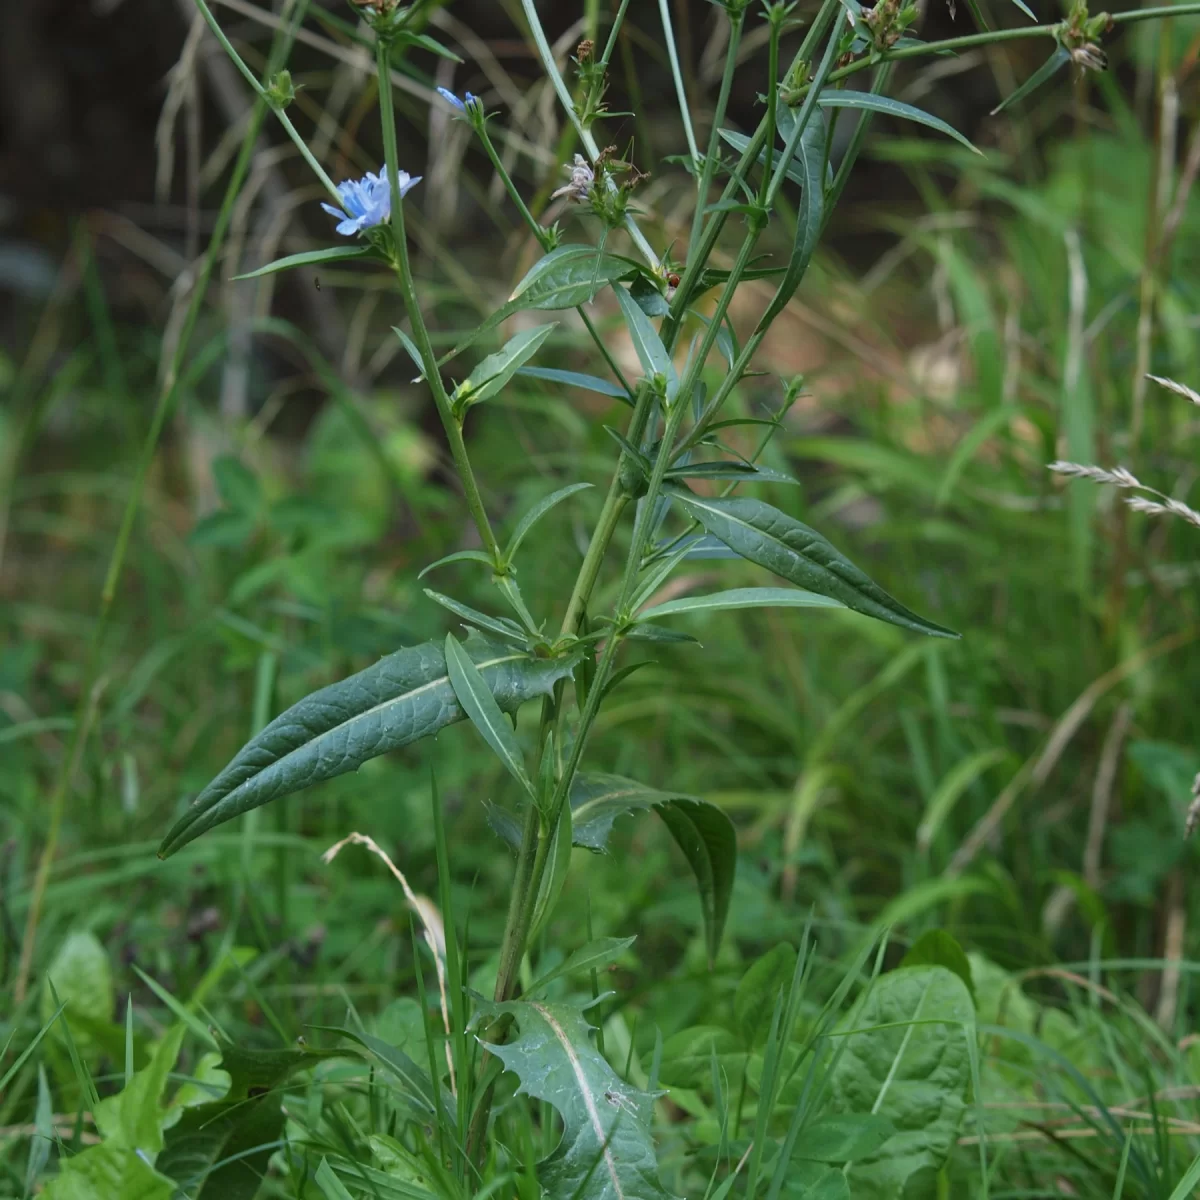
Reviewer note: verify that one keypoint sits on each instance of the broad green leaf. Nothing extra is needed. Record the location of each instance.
(82, 976)
(312, 258)
(652, 354)
(870, 102)
(814, 1181)
(502, 627)
(490, 375)
(589, 383)
(401, 699)
(134, 1116)
(106, 1172)
(809, 164)
(237, 484)
(759, 990)
(1049, 68)
(220, 1150)
(475, 696)
(606, 1151)
(844, 1138)
(703, 832)
(758, 597)
(937, 948)
(781, 544)
(595, 954)
(568, 277)
(537, 512)
(687, 1056)
(906, 1058)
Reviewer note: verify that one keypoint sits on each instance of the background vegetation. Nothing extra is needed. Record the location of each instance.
(969, 320)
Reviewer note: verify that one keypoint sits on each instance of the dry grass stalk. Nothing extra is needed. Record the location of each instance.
(1120, 477)
(431, 921)
(1180, 389)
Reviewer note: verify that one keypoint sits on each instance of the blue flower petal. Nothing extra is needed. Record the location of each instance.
(450, 98)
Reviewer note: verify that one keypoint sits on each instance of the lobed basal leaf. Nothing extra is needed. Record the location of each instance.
(606, 1151)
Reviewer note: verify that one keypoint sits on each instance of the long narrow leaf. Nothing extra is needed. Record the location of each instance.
(756, 597)
(651, 352)
(311, 258)
(589, 383)
(1049, 68)
(893, 108)
(497, 369)
(781, 544)
(401, 699)
(537, 512)
(480, 705)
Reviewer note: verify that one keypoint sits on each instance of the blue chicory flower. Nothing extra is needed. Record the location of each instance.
(450, 98)
(367, 202)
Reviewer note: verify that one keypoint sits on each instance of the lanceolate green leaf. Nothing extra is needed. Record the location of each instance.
(764, 597)
(595, 954)
(312, 258)
(1050, 67)
(606, 1151)
(704, 833)
(650, 351)
(772, 539)
(537, 512)
(568, 277)
(870, 102)
(502, 627)
(476, 697)
(565, 278)
(589, 383)
(497, 369)
(401, 699)
(810, 162)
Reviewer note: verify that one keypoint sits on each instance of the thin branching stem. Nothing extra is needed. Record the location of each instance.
(451, 422)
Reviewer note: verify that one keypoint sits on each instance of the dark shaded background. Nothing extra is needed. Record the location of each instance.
(83, 84)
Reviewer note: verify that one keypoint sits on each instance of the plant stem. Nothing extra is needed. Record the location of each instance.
(1005, 35)
(737, 23)
(611, 44)
(265, 97)
(664, 9)
(543, 237)
(450, 421)
(585, 135)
